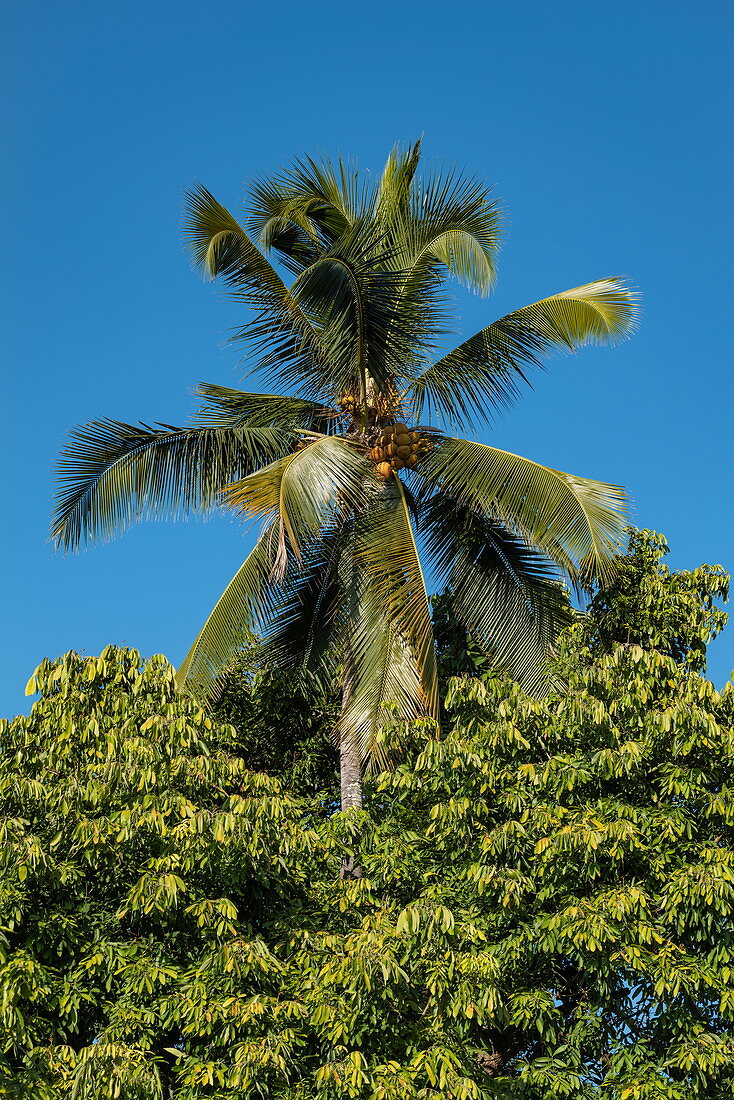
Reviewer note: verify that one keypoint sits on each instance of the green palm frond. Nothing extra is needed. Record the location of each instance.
(112, 474)
(303, 490)
(280, 332)
(453, 222)
(226, 407)
(237, 618)
(488, 370)
(302, 634)
(221, 247)
(308, 202)
(577, 522)
(507, 594)
(393, 198)
(385, 547)
(382, 680)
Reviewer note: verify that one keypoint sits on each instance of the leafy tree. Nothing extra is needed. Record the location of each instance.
(546, 906)
(140, 859)
(354, 499)
(282, 727)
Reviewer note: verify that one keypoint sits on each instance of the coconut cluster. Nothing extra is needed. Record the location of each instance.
(398, 447)
(349, 403)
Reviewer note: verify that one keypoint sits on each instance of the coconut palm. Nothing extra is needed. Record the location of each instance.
(356, 475)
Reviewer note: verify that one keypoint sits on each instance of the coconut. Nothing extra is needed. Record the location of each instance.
(410, 462)
(404, 452)
(384, 469)
(391, 450)
(399, 428)
(397, 463)
(377, 454)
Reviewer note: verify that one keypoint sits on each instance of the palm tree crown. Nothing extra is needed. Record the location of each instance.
(352, 477)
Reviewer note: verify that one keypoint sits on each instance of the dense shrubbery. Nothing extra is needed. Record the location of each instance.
(545, 910)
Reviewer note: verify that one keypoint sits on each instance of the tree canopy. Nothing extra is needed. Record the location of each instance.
(545, 909)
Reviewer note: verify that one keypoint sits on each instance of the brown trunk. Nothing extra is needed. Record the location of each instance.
(351, 793)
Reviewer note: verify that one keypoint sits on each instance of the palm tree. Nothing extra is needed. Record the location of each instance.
(355, 482)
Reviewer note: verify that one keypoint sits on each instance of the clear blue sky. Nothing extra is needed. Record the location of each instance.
(605, 127)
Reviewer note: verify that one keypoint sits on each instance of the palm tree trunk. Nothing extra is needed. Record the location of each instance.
(350, 772)
(351, 795)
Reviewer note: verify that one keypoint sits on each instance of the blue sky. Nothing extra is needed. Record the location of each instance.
(605, 128)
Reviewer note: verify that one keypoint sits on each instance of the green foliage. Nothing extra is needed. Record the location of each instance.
(139, 861)
(646, 605)
(546, 907)
(282, 726)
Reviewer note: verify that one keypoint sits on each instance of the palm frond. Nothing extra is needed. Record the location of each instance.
(304, 630)
(226, 407)
(221, 247)
(381, 678)
(487, 371)
(508, 595)
(453, 222)
(236, 619)
(112, 474)
(280, 333)
(577, 522)
(393, 197)
(319, 200)
(385, 546)
(303, 490)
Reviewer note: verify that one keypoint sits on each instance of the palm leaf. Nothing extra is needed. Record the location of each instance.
(280, 332)
(112, 474)
(453, 222)
(303, 489)
(505, 592)
(221, 247)
(319, 200)
(385, 546)
(487, 371)
(302, 635)
(223, 407)
(578, 523)
(393, 198)
(236, 618)
(381, 678)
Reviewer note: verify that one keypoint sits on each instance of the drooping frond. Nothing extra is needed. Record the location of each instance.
(577, 522)
(320, 201)
(280, 333)
(385, 547)
(382, 682)
(454, 223)
(506, 593)
(488, 371)
(112, 474)
(303, 490)
(237, 618)
(303, 631)
(221, 247)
